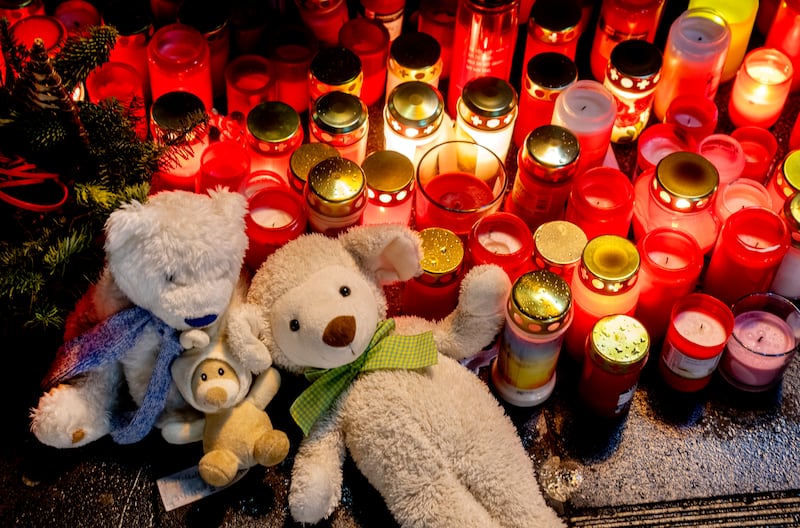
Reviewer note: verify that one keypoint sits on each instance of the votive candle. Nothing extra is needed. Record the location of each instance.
(601, 202)
(390, 188)
(557, 247)
(725, 153)
(740, 17)
(785, 180)
(276, 215)
(659, 140)
(760, 147)
(697, 116)
(739, 194)
(761, 88)
(501, 238)
(369, 39)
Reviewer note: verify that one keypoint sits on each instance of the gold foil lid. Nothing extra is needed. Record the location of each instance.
(336, 187)
(339, 118)
(414, 109)
(171, 111)
(336, 66)
(685, 181)
(551, 152)
(791, 213)
(540, 302)
(789, 175)
(619, 343)
(488, 103)
(610, 264)
(442, 255)
(553, 22)
(548, 74)
(389, 172)
(273, 126)
(558, 243)
(305, 157)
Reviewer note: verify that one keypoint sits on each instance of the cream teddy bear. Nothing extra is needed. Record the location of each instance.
(425, 431)
(173, 264)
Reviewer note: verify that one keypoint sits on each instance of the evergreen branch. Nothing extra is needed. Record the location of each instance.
(82, 54)
(13, 53)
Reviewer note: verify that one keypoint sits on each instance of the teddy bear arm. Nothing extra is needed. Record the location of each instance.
(244, 328)
(264, 387)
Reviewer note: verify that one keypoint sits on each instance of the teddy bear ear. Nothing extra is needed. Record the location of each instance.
(122, 224)
(386, 252)
(232, 204)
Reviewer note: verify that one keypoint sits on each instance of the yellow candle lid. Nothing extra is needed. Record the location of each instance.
(540, 302)
(610, 263)
(685, 181)
(442, 255)
(619, 342)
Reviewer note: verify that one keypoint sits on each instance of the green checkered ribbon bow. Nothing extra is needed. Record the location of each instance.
(384, 352)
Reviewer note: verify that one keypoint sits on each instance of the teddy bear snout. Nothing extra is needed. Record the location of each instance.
(340, 331)
(216, 396)
(200, 322)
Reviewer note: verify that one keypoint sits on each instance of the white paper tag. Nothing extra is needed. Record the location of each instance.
(185, 487)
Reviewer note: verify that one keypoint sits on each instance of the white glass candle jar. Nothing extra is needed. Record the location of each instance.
(487, 111)
(761, 88)
(341, 120)
(413, 118)
(390, 188)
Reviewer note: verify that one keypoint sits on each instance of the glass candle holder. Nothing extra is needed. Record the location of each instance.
(557, 247)
(671, 262)
(632, 74)
(725, 153)
(696, 116)
(761, 88)
(14, 10)
(699, 327)
(738, 194)
(487, 111)
(678, 192)
(588, 110)
(324, 18)
(135, 28)
(413, 119)
(545, 168)
(785, 180)
(257, 180)
(369, 39)
(433, 294)
(276, 215)
(604, 284)
(164, 11)
(274, 131)
(659, 140)
(249, 80)
(304, 158)
(77, 16)
(694, 57)
(538, 312)
(291, 50)
(617, 349)
(622, 20)
(390, 188)
(389, 13)
(179, 59)
(553, 27)
(248, 21)
(760, 147)
(336, 195)
(763, 342)
(437, 18)
(486, 33)
(751, 245)
(503, 239)
(413, 56)
(601, 202)
(782, 35)
(335, 69)
(121, 81)
(458, 183)
(225, 164)
(740, 17)
(212, 21)
(48, 28)
(787, 278)
(342, 121)
(546, 76)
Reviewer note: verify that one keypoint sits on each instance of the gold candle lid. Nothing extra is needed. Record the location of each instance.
(610, 264)
(305, 157)
(415, 56)
(685, 181)
(414, 109)
(548, 74)
(388, 173)
(488, 103)
(634, 66)
(553, 22)
(551, 153)
(273, 127)
(791, 213)
(442, 255)
(339, 118)
(619, 343)
(336, 187)
(558, 243)
(335, 66)
(172, 112)
(788, 177)
(540, 302)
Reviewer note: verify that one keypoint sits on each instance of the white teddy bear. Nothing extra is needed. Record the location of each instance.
(173, 264)
(425, 431)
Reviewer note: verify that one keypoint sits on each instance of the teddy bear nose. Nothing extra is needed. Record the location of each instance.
(340, 331)
(216, 396)
(200, 322)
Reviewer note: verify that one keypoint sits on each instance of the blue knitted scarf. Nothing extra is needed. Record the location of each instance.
(109, 341)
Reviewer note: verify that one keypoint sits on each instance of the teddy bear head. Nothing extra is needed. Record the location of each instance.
(321, 299)
(179, 255)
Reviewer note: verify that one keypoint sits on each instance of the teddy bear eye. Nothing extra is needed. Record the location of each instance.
(294, 325)
(170, 278)
(221, 371)
(204, 376)
(344, 291)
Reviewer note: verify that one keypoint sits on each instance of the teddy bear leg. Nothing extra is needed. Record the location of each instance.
(271, 448)
(218, 467)
(79, 412)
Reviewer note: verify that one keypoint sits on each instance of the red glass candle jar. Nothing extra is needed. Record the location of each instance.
(622, 20)
(335, 69)
(604, 284)
(437, 18)
(291, 50)
(274, 131)
(179, 59)
(761, 88)
(545, 169)
(434, 294)
(601, 202)
(782, 35)
(751, 245)
(785, 180)
(388, 13)
(336, 195)
(369, 39)
(223, 164)
(15, 10)
(538, 312)
(546, 76)
(503, 239)
(487, 111)
(557, 247)
(696, 116)
(413, 56)
(165, 11)
(213, 23)
(553, 27)
(787, 278)
(276, 215)
(726, 153)
(45, 27)
(759, 146)
(342, 121)
(122, 82)
(678, 192)
(671, 262)
(135, 28)
(740, 17)
(304, 158)
(249, 80)
(661, 139)
(486, 33)
(699, 326)
(77, 16)
(739, 194)
(616, 352)
(390, 188)
(324, 18)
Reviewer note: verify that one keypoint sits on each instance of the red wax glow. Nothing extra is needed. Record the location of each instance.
(48, 28)
(369, 39)
(660, 139)
(601, 202)
(22, 10)
(224, 163)
(760, 147)
(249, 80)
(503, 239)
(454, 201)
(324, 18)
(180, 60)
(291, 52)
(277, 215)
(124, 83)
(784, 34)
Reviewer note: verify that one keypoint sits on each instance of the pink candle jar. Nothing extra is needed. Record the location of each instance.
(659, 140)
(552, 29)
(290, 50)
(601, 202)
(761, 88)
(273, 132)
(135, 28)
(249, 80)
(276, 215)
(414, 56)
(671, 262)
(437, 18)
(696, 116)
(751, 245)
(760, 147)
(342, 121)
(390, 188)
(604, 284)
(699, 327)
(458, 183)
(763, 342)
(726, 153)
(336, 195)
(369, 39)
(787, 278)
(335, 69)
(785, 180)
(678, 192)
(324, 18)
(225, 164)
(503, 239)
(180, 60)
(557, 247)
(739, 194)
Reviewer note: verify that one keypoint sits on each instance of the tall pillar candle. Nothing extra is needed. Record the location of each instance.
(782, 35)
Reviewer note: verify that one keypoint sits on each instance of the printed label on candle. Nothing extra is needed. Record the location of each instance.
(624, 399)
(687, 367)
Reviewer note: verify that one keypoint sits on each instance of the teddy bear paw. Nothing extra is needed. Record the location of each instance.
(218, 468)
(484, 291)
(271, 448)
(313, 495)
(64, 419)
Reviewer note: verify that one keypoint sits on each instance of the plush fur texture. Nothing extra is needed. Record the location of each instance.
(434, 441)
(179, 256)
